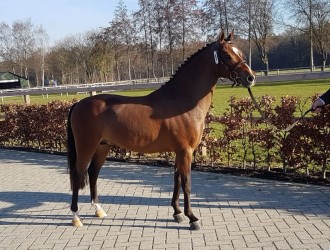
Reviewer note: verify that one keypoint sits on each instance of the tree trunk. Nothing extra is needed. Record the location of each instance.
(311, 37)
(118, 71)
(129, 67)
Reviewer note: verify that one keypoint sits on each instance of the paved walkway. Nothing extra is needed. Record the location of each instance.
(236, 213)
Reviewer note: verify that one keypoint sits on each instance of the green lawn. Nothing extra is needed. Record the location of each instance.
(223, 92)
(301, 89)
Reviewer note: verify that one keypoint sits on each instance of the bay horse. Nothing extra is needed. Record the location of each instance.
(170, 119)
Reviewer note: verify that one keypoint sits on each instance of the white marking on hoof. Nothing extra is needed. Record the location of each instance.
(76, 222)
(99, 212)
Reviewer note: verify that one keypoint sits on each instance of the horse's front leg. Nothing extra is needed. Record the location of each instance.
(183, 174)
(178, 216)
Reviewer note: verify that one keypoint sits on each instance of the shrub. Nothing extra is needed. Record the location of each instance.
(243, 140)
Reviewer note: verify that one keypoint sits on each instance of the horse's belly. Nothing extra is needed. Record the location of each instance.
(141, 137)
(142, 144)
(146, 148)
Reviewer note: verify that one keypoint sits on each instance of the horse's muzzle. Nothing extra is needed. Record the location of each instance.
(251, 80)
(247, 81)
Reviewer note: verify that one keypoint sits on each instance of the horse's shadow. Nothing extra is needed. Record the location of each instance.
(25, 208)
(209, 190)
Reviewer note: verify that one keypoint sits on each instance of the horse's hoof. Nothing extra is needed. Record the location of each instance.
(195, 225)
(77, 223)
(100, 213)
(178, 217)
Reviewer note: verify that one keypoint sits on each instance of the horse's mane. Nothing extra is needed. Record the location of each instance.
(185, 63)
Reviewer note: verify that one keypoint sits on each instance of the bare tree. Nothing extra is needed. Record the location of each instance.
(41, 50)
(313, 16)
(23, 44)
(171, 30)
(257, 23)
(120, 34)
(187, 14)
(20, 46)
(101, 57)
(159, 9)
(321, 29)
(215, 13)
(145, 22)
(262, 27)
(63, 59)
(6, 45)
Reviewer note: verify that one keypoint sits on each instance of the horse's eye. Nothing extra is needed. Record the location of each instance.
(227, 56)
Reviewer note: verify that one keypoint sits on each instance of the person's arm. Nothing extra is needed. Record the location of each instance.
(326, 97)
(321, 101)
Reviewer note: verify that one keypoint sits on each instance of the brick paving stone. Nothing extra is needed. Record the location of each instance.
(235, 212)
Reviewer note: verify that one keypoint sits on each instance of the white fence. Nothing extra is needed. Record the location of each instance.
(93, 88)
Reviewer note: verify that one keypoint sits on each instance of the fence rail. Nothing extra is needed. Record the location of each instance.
(93, 88)
(293, 70)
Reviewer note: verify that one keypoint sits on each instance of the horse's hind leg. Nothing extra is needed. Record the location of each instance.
(93, 172)
(78, 182)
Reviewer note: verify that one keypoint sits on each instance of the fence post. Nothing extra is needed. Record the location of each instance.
(27, 99)
(91, 93)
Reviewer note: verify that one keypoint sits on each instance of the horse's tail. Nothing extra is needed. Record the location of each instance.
(72, 154)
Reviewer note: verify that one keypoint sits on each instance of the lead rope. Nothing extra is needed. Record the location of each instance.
(263, 117)
(235, 83)
(266, 120)
(298, 120)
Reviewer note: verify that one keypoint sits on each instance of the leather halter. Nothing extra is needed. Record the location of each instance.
(233, 75)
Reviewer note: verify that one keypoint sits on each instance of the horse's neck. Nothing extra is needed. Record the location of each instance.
(196, 81)
(190, 90)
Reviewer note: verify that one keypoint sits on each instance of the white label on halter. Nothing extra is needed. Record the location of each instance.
(216, 57)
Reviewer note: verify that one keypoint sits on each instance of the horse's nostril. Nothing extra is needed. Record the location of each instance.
(250, 78)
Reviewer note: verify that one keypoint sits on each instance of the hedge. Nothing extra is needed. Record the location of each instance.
(237, 138)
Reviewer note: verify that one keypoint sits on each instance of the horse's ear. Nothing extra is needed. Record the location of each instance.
(230, 36)
(221, 37)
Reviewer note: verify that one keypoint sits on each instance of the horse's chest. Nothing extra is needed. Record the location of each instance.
(188, 125)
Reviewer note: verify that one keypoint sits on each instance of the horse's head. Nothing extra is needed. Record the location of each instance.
(231, 62)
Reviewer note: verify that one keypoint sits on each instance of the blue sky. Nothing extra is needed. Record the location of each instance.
(61, 18)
